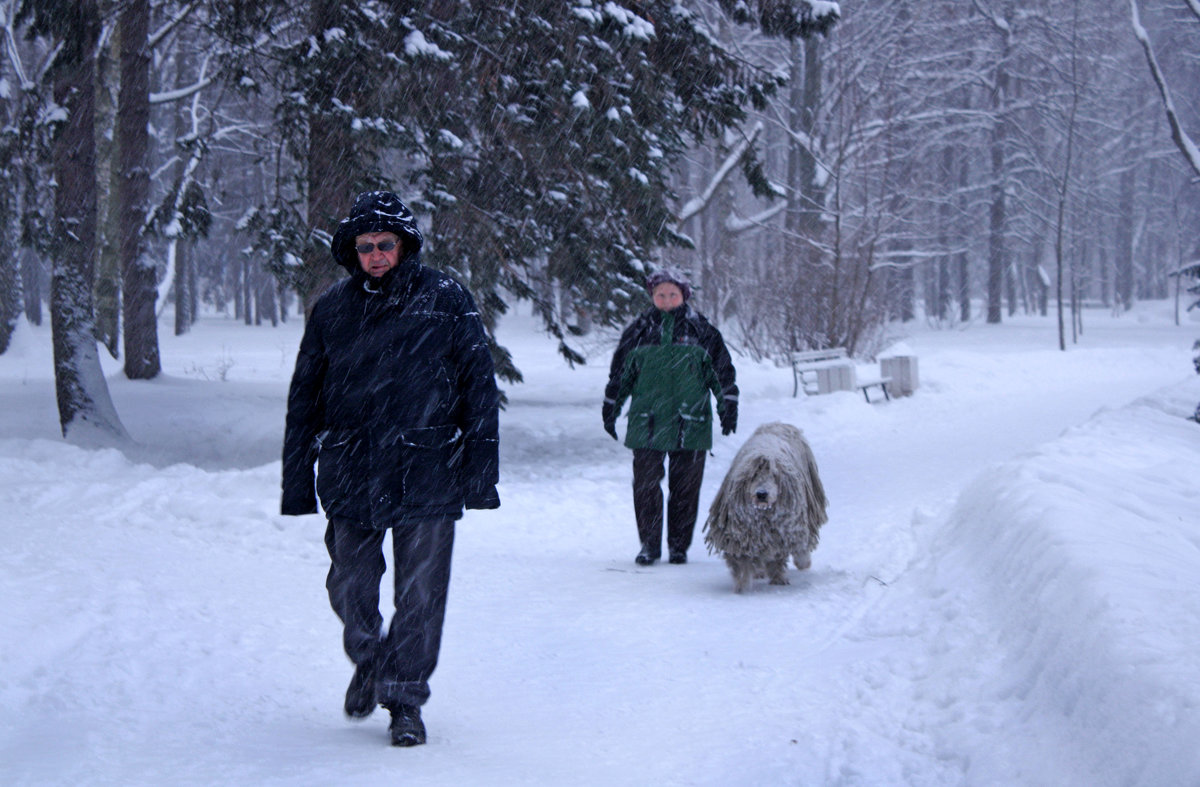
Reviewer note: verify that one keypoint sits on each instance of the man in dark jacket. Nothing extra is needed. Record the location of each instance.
(395, 398)
(668, 362)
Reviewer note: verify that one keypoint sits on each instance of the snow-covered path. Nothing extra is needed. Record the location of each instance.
(168, 626)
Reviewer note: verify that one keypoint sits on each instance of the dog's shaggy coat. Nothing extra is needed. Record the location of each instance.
(770, 507)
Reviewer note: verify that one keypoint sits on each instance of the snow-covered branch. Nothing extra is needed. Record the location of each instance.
(178, 94)
(735, 225)
(697, 204)
(10, 46)
(1185, 144)
(155, 38)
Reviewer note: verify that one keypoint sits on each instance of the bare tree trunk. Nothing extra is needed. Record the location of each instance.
(802, 218)
(940, 291)
(185, 278)
(963, 260)
(330, 181)
(234, 272)
(85, 408)
(140, 285)
(1123, 263)
(906, 285)
(32, 286)
(247, 294)
(193, 287)
(997, 242)
(184, 281)
(107, 288)
(10, 274)
(10, 287)
(997, 251)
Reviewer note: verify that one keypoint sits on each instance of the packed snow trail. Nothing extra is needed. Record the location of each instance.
(168, 626)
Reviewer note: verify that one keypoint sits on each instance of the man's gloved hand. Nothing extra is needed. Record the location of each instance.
(729, 418)
(609, 413)
(484, 498)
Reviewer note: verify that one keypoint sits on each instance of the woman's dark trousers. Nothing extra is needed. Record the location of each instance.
(405, 656)
(683, 486)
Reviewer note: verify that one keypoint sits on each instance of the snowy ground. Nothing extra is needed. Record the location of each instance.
(1006, 592)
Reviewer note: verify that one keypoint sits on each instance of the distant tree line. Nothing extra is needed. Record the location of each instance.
(820, 169)
(955, 161)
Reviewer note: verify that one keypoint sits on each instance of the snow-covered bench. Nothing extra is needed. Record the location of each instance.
(822, 371)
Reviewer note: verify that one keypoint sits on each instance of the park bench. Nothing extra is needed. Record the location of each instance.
(822, 371)
(831, 369)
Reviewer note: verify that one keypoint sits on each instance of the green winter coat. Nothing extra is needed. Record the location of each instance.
(667, 364)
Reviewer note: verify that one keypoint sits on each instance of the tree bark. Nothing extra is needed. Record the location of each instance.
(10, 290)
(107, 286)
(997, 251)
(998, 213)
(185, 277)
(184, 281)
(1123, 262)
(10, 274)
(85, 408)
(32, 286)
(330, 181)
(139, 281)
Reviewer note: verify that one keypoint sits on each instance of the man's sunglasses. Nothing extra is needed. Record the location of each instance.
(383, 245)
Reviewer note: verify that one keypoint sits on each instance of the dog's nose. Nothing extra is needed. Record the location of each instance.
(760, 495)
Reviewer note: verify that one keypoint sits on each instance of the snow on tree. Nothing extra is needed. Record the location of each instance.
(86, 412)
(538, 140)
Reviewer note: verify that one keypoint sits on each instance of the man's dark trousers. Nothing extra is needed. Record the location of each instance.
(407, 654)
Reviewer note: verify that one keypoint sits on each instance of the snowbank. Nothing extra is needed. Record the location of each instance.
(1084, 556)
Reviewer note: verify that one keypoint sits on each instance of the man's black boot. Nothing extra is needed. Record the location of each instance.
(360, 694)
(406, 728)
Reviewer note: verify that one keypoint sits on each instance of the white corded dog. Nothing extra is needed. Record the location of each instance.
(770, 507)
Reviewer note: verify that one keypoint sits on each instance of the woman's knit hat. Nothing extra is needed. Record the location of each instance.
(671, 275)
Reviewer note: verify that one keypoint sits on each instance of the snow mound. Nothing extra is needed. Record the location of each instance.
(1085, 553)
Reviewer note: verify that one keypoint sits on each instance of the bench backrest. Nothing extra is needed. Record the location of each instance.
(814, 356)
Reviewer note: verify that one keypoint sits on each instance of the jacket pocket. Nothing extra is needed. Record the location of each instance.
(640, 430)
(342, 466)
(695, 432)
(430, 466)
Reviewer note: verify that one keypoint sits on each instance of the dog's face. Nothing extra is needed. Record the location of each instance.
(763, 488)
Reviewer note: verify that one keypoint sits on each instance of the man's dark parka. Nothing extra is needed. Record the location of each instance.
(394, 394)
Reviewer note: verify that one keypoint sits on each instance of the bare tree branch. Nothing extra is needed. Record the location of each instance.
(10, 44)
(1182, 141)
(696, 204)
(158, 35)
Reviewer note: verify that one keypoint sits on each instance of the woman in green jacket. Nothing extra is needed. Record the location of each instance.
(667, 364)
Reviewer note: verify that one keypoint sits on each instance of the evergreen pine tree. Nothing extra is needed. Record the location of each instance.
(538, 137)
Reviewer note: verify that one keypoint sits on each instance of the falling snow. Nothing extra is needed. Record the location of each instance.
(1004, 594)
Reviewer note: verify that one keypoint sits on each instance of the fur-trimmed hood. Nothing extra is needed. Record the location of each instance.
(376, 211)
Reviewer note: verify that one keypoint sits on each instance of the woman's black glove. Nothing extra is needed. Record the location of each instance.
(609, 413)
(729, 418)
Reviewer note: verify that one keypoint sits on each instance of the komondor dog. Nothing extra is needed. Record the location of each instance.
(770, 507)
